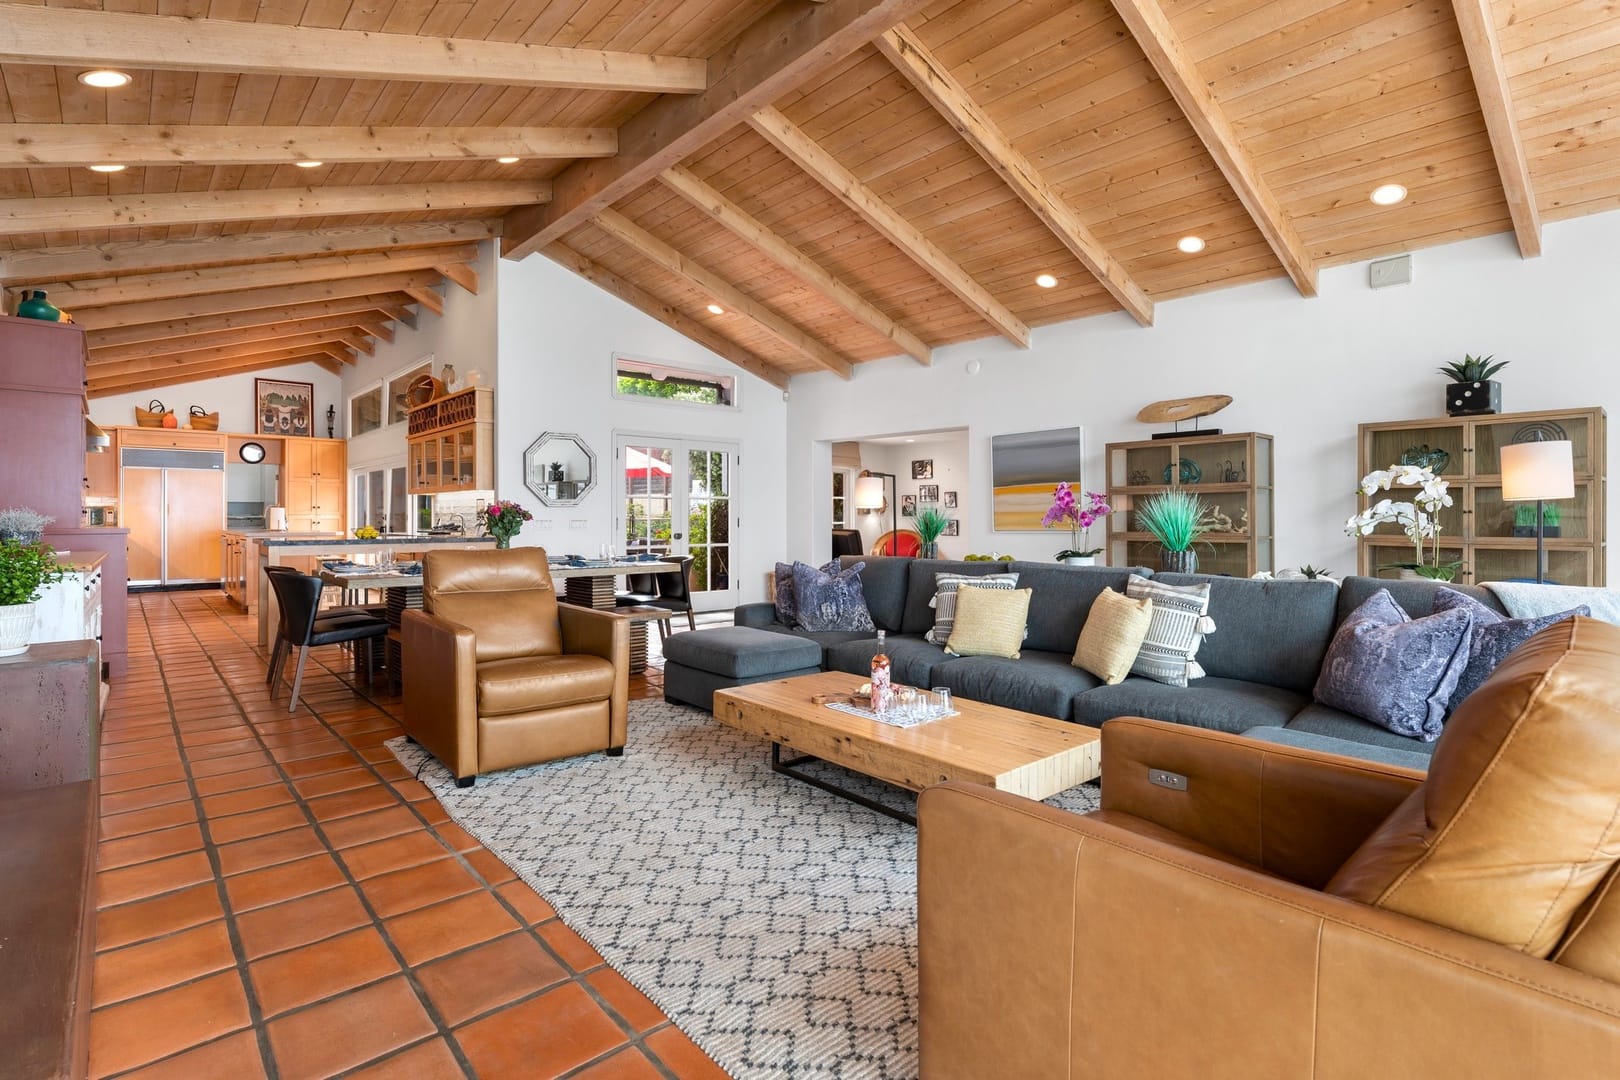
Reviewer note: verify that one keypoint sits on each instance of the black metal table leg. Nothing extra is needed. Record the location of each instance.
(789, 768)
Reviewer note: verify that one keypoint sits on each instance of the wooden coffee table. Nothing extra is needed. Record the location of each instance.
(1033, 756)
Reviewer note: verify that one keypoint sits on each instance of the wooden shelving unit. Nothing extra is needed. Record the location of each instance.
(1231, 473)
(451, 442)
(1479, 528)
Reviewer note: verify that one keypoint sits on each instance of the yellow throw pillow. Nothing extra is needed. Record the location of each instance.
(1113, 635)
(989, 622)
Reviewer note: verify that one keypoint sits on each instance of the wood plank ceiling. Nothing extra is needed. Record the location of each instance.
(844, 180)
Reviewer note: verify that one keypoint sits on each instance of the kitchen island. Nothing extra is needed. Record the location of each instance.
(277, 549)
(239, 559)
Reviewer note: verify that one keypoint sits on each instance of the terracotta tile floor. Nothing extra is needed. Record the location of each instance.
(279, 898)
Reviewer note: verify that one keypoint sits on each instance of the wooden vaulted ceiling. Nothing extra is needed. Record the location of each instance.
(846, 180)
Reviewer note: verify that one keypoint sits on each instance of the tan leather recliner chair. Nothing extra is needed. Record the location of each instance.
(1296, 914)
(499, 674)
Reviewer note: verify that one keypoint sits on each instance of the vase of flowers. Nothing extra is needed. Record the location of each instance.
(24, 568)
(1418, 519)
(930, 524)
(1176, 519)
(503, 520)
(1079, 517)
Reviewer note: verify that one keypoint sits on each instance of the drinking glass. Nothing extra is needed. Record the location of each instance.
(942, 699)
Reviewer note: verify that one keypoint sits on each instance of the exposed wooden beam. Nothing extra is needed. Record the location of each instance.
(204, 371)
(723, 292)
(378, 305)
(379, 329)
(75, 212)
(76, 296)
(952, 101)
(785, 46)
(28, 145)
(31, 35)
(1478, 25)
(1179, 73)
(190, 307)
(668, 314)
(152, 256)
(338, 351)
(366, 322)
(427, 297)
(161, 365)
(460, 273)
(686, 184)
(804, 151)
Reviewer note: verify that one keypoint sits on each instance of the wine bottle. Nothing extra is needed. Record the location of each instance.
(881, 687)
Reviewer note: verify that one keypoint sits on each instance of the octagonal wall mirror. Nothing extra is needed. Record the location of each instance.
(559, 468)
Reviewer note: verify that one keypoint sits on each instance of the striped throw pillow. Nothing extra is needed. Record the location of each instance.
(944, 601)
(1180, 621)
(989, 622)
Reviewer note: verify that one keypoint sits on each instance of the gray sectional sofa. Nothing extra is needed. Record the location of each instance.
(1260, 664)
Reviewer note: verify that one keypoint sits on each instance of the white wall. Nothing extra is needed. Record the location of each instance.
(463, 336)
(557, 337)
(1306, 371)
(230, 396)
(949, 453)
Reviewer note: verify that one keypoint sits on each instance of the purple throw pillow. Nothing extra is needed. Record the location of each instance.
(1495, 635)
(832, 601)
(1393, 670)
(787, 612)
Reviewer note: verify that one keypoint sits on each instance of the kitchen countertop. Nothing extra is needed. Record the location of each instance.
(261, 534)
(385, 541)
(83, 562)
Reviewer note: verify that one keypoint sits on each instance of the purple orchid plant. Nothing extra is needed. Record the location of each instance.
(1067, 510)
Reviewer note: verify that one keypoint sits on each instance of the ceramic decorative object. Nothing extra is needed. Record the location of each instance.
(1434, 459)
(1179, 562)
(1190, 473)
(34, 305)
(16, 624)
(1081, 560)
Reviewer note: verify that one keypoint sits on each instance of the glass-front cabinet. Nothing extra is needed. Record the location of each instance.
(1231, 474)
(1495, 540)
(451, 443)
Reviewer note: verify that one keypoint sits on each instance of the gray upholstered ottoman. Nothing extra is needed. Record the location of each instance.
(1327, 744)
(699, 662)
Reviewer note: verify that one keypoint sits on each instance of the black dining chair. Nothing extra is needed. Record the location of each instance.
(675, 591)
(639, 591)
(304, 627)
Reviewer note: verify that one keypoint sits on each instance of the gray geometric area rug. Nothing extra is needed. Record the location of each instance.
(776, 923)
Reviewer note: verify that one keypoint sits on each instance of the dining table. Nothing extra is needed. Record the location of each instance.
(402, 588)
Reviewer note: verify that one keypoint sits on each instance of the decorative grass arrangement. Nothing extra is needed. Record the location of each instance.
(930, 523)
(1176, 519)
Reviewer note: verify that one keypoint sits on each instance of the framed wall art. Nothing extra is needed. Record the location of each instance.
(923, 469)
(283, 408)
(1024, 469)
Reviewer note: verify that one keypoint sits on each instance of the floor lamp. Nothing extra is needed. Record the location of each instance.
(869, 497)
(1543, 471)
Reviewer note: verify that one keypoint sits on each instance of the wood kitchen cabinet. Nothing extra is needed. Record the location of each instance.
(451, 443)
(314, 483)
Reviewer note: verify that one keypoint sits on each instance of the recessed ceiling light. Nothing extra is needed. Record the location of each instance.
(104, 79)
(107, 168)
(1046, 281)
(911, 440)
(1190, 245)
(508, 160)
(1388, 194)
(309, 164)
(716, 309)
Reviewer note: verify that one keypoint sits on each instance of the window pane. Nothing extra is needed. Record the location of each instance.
(397, 387)
(365, 411)
(643, 379)
(398, 501)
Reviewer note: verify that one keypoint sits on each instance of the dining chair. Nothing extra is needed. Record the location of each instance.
(639, 591)
(304, 627)
(675, 594)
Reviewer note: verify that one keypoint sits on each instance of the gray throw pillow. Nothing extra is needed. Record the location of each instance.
(787, 611)
(944, 601)
(1393, 670)
(1495, 635)
(830, 601)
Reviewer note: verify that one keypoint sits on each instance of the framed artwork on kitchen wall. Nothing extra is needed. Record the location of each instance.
(283, 408)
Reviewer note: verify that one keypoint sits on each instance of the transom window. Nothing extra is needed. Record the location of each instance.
(642, 379)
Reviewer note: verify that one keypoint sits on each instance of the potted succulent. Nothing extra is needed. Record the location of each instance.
(22, 524)
(1418, 519)
(24, 568)
(1066, 510)
(1176, 519)
(930, 524)
(1472, 392)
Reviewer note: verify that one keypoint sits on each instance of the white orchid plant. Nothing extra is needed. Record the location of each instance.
(1419, 519)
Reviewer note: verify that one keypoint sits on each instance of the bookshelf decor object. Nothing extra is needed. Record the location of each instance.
(1495, 538)
(1232, 474)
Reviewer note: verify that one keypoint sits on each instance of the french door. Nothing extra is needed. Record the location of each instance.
(677, 497)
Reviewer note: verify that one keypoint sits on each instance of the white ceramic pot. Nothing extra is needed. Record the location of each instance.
(1081, 560)
(16, 624)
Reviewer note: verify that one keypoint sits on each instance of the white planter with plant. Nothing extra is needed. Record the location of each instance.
(24, 568)
(23, 525)
(1418, 519)
(1065, 510)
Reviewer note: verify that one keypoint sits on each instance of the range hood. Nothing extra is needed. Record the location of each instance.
(96, 441)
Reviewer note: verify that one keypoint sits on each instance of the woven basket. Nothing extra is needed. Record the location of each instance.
(152, 415)
(203, 421)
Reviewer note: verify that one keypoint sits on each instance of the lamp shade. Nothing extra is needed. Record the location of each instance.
(869, 493)
(1538, 470)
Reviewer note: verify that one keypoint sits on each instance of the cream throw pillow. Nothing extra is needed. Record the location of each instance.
(989, 622)
(1113, 635)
